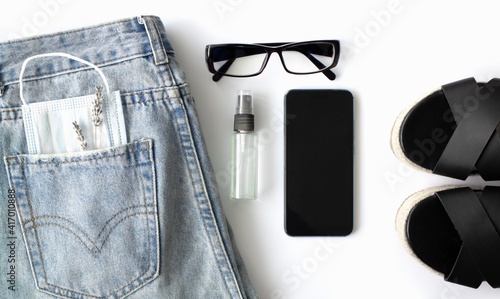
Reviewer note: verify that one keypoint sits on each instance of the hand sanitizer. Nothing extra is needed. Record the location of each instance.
(244, 150)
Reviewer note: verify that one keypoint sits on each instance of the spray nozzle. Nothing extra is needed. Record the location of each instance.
(244, 119)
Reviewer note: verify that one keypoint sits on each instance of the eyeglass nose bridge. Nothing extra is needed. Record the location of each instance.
(269, 52)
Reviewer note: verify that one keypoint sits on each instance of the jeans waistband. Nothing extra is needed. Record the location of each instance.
(103, 44)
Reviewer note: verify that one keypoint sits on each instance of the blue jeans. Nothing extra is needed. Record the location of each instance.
(137, 220)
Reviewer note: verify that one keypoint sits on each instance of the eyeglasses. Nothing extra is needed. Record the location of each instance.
(247, 60)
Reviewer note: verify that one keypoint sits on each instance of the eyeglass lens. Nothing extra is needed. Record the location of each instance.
(239, 60)
(308, 58)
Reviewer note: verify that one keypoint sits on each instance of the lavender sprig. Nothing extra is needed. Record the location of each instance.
(97, 107)
(97, 111)
(79, 135)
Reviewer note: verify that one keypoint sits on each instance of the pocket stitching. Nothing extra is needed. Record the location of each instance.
(91, 241)
(37, 240)
(40, 161)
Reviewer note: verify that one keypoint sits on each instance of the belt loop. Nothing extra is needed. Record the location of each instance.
(159, 52)
(2, 88)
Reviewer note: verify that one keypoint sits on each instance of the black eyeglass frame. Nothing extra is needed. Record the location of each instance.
(273, 48)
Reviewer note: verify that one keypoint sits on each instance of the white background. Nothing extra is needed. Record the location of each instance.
(394, 53)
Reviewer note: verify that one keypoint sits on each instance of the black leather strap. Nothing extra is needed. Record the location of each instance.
(488, 164)
(479, 258)
(477, 113)
(465, 272)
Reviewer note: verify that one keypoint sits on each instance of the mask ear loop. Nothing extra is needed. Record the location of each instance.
(58, 54)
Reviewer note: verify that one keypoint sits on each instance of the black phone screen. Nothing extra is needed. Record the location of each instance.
(319, 155)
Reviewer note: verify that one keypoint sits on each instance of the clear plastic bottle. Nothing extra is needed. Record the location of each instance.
(244, 150)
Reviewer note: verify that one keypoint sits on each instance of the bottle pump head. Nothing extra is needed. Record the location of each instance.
(244, 118)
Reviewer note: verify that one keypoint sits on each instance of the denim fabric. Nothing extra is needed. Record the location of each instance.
(139, 220)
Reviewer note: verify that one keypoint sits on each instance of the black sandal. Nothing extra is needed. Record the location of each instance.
(454, 231)
(453, 131)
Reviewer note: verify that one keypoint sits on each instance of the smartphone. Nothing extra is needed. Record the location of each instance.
(319, 162)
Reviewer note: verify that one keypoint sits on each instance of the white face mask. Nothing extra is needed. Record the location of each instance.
(70, 125)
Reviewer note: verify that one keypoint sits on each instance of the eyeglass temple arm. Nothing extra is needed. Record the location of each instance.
(328, 72)
(217, 76)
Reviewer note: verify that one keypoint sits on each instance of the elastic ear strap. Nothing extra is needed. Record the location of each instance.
(23, 67)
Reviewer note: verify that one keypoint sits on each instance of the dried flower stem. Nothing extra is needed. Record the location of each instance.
(97, 111)
(79, 135)
(97, 107)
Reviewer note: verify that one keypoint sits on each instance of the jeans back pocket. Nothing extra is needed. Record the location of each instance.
(89, 219)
